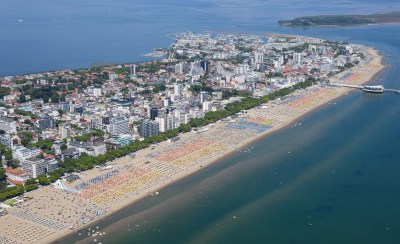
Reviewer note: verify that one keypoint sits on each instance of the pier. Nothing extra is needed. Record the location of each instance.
(392, 90)
(365, 88)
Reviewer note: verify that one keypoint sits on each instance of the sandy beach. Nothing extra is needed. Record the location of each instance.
(52, 213)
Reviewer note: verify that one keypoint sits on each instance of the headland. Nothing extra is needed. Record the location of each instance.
(342, 20)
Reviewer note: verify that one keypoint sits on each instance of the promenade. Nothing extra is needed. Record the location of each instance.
(53, 213)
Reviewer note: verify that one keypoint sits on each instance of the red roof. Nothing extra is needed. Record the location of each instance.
(15, 182)
(16, 171)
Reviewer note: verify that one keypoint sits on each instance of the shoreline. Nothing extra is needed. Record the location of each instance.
(338, 26)
(341, 20)
(156, 169)
(343, 91)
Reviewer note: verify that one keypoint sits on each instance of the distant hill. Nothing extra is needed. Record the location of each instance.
(342, 20)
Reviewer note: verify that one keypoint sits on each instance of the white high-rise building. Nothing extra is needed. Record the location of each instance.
(63, 132)
(112, 76)
(147, 109)
(179, 68)
(97, 92)
(171, 123)
(166, 102)
(297, 58)
(203, 96)
(177, 90)
(94, 91)
(132, 70)
(162, 123)
(326, 67)
(148, 128)
(8, 125)
(183, 118)
(34, 166)
(258, 57)
(206, 106)
(218, 68)
(21, 153)
(118, 125)
(242, 69)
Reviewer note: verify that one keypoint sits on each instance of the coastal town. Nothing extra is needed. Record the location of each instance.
(77, 145)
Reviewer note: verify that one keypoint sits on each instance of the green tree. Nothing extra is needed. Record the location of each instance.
(14, 163)
(40, 155)
(31, 184)
(22, 98)
(159, 87)
(97, 132)
(24, 113)
(43, 180)
(4, 91)
(3, 175)
(84, 137)
(11, 192)
(55, 98)
(30, 181)
(2, 149)
(25, 141)
(8, 155)
(44, 144)
(28, 121)
(63, 147)
(31, 187)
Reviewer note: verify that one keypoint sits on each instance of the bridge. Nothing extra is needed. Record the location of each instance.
(361, 87)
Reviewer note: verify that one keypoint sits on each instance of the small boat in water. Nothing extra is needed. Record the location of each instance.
(374, 89)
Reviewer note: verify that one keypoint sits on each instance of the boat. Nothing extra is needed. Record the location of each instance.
(374, 89)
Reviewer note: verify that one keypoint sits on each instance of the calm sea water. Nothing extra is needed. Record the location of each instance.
(338, 184)
(44, 35)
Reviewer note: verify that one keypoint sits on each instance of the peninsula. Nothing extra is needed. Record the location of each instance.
(80, 145)
(342, 20)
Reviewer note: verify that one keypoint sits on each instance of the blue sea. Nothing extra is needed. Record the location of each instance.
(340, 181)
(43, 35)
